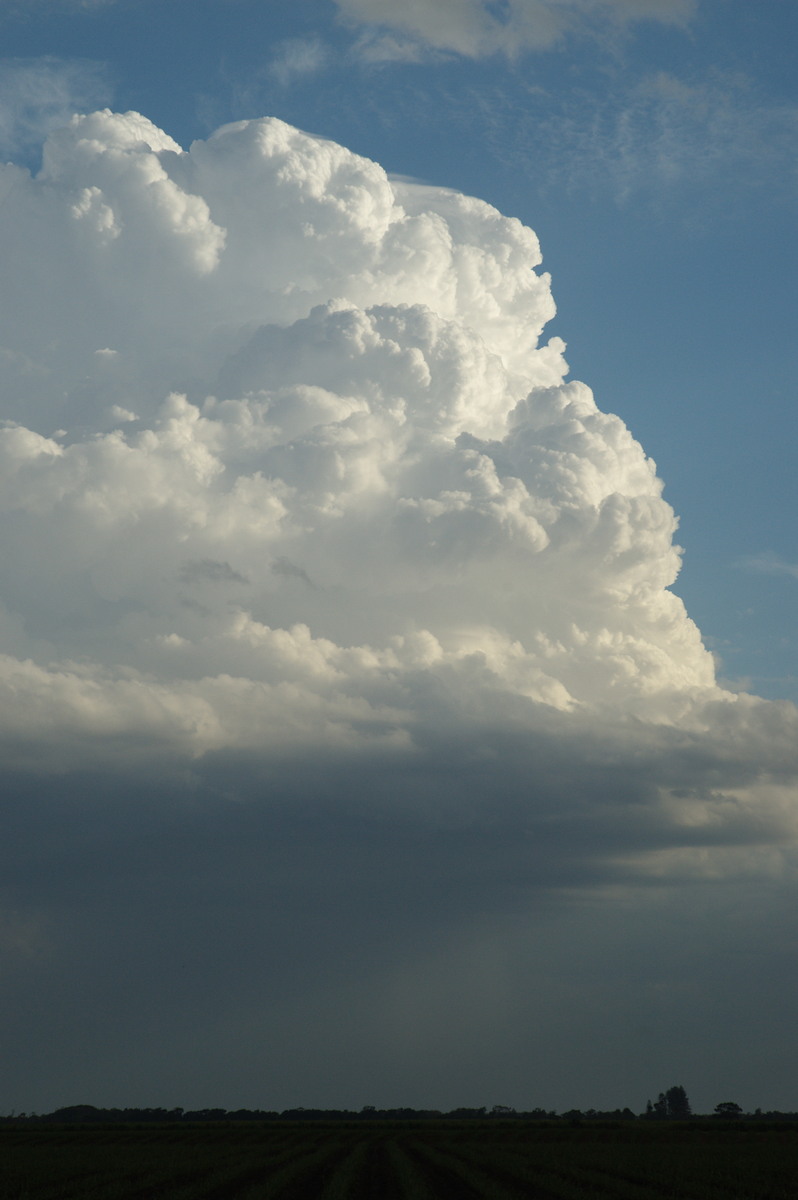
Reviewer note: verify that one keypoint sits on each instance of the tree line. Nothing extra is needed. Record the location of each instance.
(671, 1105)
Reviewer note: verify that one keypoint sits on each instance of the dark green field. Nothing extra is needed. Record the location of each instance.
(400, 1161)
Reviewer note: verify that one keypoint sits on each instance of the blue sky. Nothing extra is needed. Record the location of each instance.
(338, 622)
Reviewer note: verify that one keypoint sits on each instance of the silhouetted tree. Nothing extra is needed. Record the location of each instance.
(672, 1105)
(574, 1115)
(728, 1108)
(677, 1104)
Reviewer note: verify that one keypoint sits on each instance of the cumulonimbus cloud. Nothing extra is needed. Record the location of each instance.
(289, 474)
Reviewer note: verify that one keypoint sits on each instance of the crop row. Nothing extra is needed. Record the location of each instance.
(392, 1161)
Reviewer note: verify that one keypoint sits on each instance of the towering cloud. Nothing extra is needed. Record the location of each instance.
(298, 508)
(284, 433)
(284, 447)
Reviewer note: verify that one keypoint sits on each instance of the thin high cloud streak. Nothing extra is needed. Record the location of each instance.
(40, 94)
(296, 58)
(667, 133)
(770, 564)
(35, 8)
(337, 624)
(653, 139)
(475, 29)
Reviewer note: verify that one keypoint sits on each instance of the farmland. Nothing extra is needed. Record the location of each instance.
(380, 1160)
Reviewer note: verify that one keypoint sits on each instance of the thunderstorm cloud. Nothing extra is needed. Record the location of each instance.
(319, 573)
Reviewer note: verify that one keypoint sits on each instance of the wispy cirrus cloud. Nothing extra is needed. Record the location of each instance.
(297, 58)
(666, 132)
(478, 28)
(40, 94)
(33, 8)
(769, 563)
(651, 138)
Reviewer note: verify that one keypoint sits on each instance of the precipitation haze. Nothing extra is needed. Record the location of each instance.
(356, 747)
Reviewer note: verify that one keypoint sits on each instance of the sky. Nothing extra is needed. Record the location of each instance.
(397, 661)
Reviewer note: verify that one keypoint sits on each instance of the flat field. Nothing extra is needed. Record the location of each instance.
(376, 1160)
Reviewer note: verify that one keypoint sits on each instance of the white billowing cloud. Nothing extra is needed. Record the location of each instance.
(476, 28)
(288, 472)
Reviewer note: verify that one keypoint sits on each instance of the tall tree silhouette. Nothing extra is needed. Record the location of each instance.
(672, 1105)
(678, 1105)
